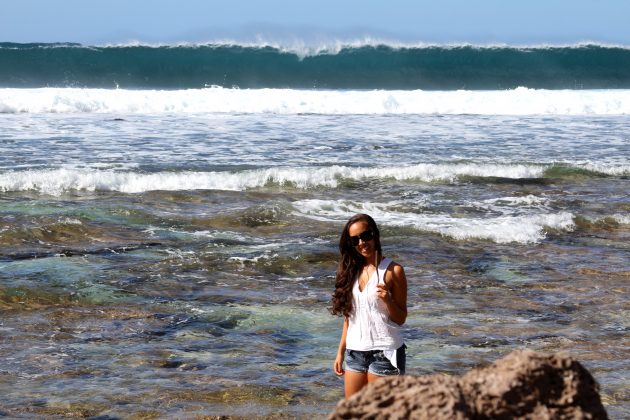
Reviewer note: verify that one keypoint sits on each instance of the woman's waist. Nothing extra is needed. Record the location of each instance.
(381, 343)
(383, 334)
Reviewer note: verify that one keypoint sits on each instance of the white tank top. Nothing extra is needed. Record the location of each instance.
(369, 326)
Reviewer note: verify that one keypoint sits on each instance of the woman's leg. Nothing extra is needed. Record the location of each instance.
(354, 381)
(371, 377)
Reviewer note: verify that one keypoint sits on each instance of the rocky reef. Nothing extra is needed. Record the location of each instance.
(524, 384)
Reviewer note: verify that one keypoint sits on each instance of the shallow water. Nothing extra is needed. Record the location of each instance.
(181, 265)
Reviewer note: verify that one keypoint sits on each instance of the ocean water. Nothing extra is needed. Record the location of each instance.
(168, 231)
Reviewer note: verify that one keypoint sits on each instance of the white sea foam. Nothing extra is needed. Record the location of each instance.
(623, 219)
(527, 228)
(70, 221)
(520, 101)
(614, 170)
(527, 200)
(57, 181)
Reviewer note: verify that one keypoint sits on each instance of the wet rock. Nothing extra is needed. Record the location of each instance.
(406, 397)
(524, 384)
(533, 385)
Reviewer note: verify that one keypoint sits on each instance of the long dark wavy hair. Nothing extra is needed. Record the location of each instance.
(350, 264)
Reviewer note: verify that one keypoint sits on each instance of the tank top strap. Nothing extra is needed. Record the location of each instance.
(382, 268)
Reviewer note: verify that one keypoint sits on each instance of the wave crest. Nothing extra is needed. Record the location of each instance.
(58, 181)
(524, 228)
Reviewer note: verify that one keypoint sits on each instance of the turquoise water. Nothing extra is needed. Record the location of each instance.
(336, 66)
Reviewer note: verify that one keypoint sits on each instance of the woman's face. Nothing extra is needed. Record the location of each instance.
(365, 248)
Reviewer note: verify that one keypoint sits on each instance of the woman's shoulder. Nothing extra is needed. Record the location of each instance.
(390, 262)
(395, 268)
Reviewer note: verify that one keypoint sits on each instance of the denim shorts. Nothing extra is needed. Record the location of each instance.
(375, 362)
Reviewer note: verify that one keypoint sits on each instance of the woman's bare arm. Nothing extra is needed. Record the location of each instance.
(394, 293)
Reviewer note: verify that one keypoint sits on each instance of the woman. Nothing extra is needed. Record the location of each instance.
(371, 294)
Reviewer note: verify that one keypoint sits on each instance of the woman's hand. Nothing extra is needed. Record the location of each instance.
(383, 293)
(338, 367)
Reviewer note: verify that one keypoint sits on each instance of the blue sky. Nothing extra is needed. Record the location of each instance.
(436, 21)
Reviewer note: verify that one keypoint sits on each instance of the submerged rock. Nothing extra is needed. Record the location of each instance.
(524, 384)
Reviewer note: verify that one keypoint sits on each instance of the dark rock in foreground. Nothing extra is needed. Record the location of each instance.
(524, 384)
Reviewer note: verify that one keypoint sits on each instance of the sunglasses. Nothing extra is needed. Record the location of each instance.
(365, 236)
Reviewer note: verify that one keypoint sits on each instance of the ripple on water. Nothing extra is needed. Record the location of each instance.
(59, 280)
